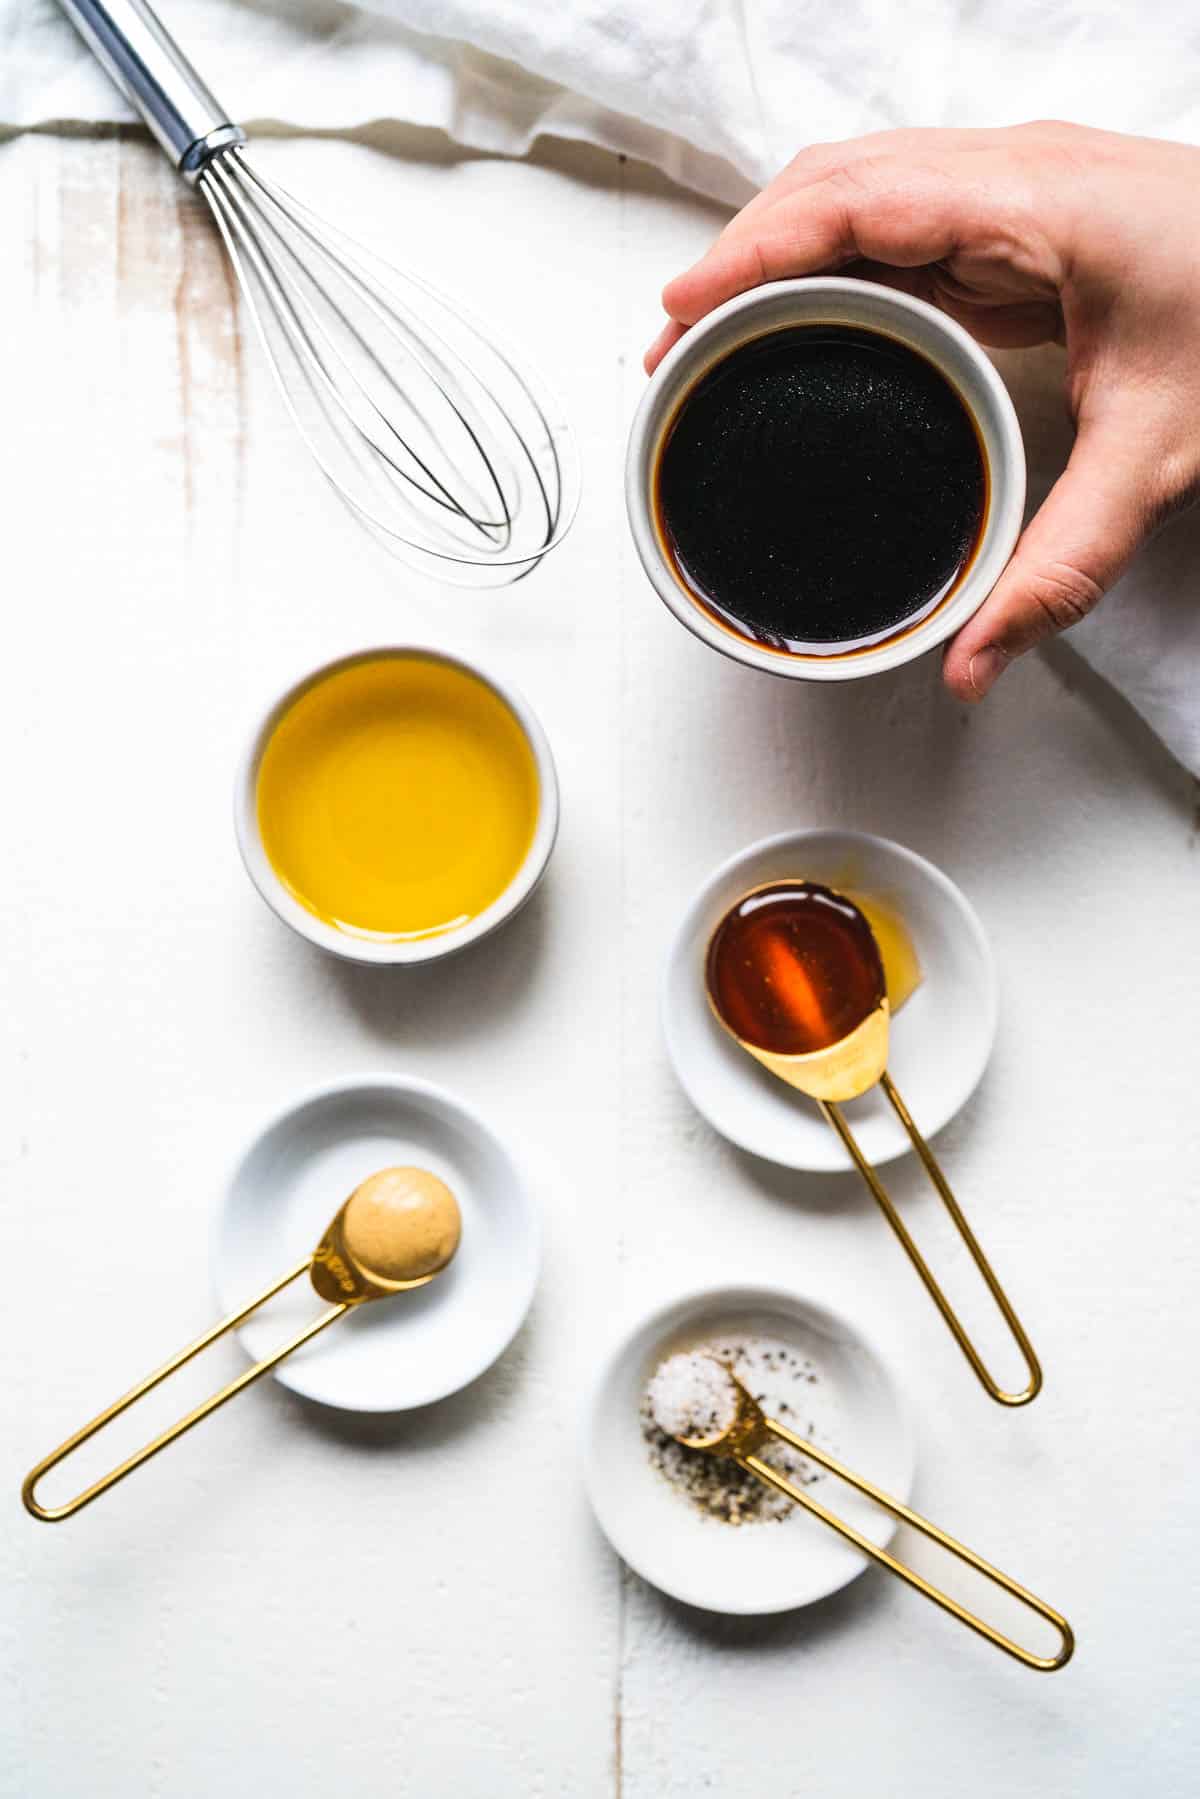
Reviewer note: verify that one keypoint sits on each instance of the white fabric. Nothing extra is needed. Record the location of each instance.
(718, 93)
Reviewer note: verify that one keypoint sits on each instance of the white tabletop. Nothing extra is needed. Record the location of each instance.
(297, 1602)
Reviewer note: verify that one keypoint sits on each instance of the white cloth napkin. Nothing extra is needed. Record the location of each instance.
(717, 93)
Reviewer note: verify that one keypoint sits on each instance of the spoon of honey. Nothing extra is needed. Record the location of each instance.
(741, 1431)
(398, 1230)
(794, 974)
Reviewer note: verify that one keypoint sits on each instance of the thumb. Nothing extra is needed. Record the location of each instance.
(1098, 513)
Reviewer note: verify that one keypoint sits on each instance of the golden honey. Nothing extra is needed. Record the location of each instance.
(795, 967)
(397, 797)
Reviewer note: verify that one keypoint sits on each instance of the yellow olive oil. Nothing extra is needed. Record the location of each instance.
(397, 797)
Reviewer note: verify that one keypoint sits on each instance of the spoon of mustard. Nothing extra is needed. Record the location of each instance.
(794, 975)
(397, 1231)
(739, 1429)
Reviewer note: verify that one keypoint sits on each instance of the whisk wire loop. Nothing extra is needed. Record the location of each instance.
(430, 432)
(302, 322)
(375, 297)
(307, 337)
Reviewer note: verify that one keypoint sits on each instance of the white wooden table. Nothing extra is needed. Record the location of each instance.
(300, 1603)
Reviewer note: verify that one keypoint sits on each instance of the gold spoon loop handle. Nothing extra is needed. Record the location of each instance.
(904, 1513)
(1033, 1387)
(52, 1514)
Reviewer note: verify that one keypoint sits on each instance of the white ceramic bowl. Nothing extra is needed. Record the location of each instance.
(367, 949)
(940, 1040)
(772, 1566)
(291, 1179)
(833, 299)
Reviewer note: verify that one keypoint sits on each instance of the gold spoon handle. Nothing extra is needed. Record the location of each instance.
(1043, 1663)
(1030, 1391)
(51, 1514)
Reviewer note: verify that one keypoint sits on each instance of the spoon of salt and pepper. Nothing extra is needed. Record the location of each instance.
(697, 1399)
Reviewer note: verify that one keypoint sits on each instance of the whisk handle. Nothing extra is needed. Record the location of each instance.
(152, 72)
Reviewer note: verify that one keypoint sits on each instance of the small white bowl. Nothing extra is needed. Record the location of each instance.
(772, 1566)
(940, 1040)
(838, 300)
(291, 1179)
(370, 949)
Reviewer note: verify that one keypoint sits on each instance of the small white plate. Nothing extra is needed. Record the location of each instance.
(419, 1346)
(772, 1566)
(940, 1040)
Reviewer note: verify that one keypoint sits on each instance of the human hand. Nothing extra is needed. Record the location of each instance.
(1027, 235)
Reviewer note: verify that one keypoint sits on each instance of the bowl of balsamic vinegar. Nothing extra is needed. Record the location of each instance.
(825, 478)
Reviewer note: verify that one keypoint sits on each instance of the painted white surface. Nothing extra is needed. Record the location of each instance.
(296, 1603)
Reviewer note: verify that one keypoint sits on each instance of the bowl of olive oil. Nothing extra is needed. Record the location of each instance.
(396, 804)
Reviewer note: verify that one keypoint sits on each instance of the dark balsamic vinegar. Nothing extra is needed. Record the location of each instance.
(822, 486)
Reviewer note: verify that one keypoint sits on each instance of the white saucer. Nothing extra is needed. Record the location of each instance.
(419, 1346)
(772, 1566)
(940, 1040)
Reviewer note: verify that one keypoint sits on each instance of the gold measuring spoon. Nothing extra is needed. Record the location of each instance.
(742, 1438)
(793, 973)
(398, 1230)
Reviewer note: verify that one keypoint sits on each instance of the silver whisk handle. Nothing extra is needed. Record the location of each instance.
(151, 70)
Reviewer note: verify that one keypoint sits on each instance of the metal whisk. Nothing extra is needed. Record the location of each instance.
(443, 446)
